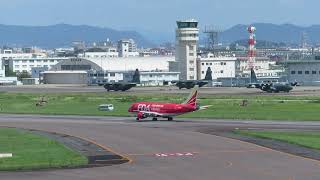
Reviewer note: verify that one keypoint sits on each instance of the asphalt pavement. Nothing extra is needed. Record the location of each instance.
(171, 150)
(297, 91)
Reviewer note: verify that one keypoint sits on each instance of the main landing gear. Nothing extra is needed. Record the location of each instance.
(156, 119)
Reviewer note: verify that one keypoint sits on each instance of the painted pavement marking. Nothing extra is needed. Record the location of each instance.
(175, 154)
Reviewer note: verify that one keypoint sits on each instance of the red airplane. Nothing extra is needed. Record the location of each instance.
(165, 110)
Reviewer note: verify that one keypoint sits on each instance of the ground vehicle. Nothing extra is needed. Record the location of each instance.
(216, 84)
(106, 107)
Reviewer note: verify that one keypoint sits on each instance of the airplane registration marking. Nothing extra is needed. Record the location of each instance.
(174, 154)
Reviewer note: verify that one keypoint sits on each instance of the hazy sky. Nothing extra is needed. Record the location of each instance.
(158, 15)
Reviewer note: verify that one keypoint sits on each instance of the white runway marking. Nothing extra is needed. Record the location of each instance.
(175, 154)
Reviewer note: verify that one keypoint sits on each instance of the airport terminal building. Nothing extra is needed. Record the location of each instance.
(153, 71)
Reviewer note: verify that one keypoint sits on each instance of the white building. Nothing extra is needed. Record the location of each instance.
(127, 48)
(158, 78)
(148, 52)
(5, 56)
(8, 54)
(221, 67)
(2, 71)
(263, 67)
(26, 64)
(8, 80)
(110, 52)
(147, 78)
(260, 63)
(131, 64)
(187, 37)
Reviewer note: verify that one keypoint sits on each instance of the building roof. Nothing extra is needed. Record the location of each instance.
(222, 58)
(299, 61)
(133, 63)
(64, 72)
(188, 20)
(159, 72)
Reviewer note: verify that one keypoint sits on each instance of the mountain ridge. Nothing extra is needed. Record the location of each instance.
(287, 33)
(62, 35)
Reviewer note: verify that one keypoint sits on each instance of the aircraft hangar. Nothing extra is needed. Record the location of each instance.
(70, 71)
(306, 72)
(95, 71)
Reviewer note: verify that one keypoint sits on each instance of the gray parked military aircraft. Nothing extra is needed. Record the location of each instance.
(254, 83)
(189, 83)
(269, 86)
(276, 87)
(118, 86)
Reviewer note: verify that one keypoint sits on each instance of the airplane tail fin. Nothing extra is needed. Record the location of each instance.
(253, 77)
(192, 99)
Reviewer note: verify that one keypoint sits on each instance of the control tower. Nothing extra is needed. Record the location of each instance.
(187, 37)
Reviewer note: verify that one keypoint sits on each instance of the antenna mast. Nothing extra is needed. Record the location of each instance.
(212, 38)
(252, 50)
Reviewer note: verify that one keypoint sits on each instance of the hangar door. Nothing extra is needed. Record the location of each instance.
(65, 78)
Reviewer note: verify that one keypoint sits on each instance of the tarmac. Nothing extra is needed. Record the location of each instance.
(171, 150)
(297, 91)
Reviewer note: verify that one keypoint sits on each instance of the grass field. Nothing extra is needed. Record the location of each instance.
(259, 107)
(306, 139)
(32, 151)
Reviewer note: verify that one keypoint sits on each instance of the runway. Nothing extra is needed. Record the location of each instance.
(171, 150)
(297, 91)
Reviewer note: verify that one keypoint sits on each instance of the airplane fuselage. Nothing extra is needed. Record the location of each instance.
(163, 109)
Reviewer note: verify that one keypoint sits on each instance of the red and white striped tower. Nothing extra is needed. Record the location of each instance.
(252, 51)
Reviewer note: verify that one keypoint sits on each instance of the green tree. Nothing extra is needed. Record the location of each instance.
(23, 75)
(9, 72)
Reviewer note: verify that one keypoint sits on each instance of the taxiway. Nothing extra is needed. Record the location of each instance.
(171, 150)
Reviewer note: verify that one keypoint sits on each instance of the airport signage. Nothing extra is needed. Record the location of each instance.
(76, 59)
